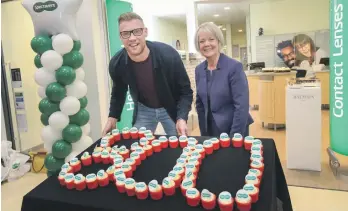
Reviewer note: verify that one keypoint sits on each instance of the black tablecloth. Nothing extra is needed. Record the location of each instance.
(224, 170)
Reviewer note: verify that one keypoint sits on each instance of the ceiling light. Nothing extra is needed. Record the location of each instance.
(240, 30)
(216, 15)
(220, 26)
(224, 29)
(226, 8)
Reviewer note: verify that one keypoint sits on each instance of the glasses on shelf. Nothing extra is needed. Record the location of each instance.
(136, 32)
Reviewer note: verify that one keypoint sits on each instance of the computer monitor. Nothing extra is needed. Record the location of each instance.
(325, 61)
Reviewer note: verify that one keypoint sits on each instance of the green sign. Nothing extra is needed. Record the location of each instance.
(338, 76)
(42, 6)
(114, 9)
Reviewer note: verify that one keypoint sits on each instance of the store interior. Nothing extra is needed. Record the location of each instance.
(252, 30)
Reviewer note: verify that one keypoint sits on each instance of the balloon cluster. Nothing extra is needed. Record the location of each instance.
(63, 93)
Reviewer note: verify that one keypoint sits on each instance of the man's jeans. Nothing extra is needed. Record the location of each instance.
(150, 117)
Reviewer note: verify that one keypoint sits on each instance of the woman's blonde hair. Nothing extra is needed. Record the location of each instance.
(214, 30)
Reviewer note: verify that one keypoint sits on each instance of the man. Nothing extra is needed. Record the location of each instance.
(285, 50)
(158, 81)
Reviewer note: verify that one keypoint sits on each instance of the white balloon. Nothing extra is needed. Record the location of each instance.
(54, 36)
(44, 77)
(69, 105)
(42, 92)
(63, 43)
(82, 144)
(58, 120)
(49, 136)
(80, 74)
(86, 129)
(72, 155)
(51, 60)
(77, 89)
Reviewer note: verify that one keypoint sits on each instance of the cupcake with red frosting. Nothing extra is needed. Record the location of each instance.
(243, 200)
(105, 157)
(136, 157)
(225, 201)
(150, 137)
(155, 190)
(141, 190)
(256, 149)
(200, 149)
(132, 163)
(256, 156)
(126, 133)
(143, 141)
(102, 177)
(80, 182)
(193, 197)
(168, 186)
(120, 183)
(61, 177)
(156, 146)
(253, 192)
(148, 150)
(183, 141)
(91, 181)
(67, 168)
(225, 140)
(181, 162)
(191, 176)
(118, 173)
(135, 146)
(248, 141)
(127, 169)
(141, 132)
(216, 143)
(173, 142)
(141, 153)
(197, 156)
(256, 172)
(237, 140)
(104, 142)
(258, 143)
(75, 164)
(175, 177)
(257, 164)
(191, 167)
(130, 186)
(124, 152)
(185, 185)
(164, 142)
(252, 179)
(208, 147)
(208, 199)
(116, 135)
(110, 171)
(134, 133)
(192, 140)
(179, 170)
(118, 163)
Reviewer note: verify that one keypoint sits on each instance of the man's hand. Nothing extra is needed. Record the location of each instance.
(109, 126)
(181, 127)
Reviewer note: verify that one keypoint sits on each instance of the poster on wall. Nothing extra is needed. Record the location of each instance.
(16, 78)
(19, 101)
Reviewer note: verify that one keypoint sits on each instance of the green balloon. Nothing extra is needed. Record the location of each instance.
(80, 118)
(55, 92)
(83, 102)
(37, 61)
(77, 45)
(65, 75)
(51, 173)
(44, 119)
(73, 59)
(47, 107)
(72, 133)
(41, 43)
(52, 163)
(61, 149)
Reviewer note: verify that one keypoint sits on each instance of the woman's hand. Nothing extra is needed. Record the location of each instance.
(109, 126)
(181, 127)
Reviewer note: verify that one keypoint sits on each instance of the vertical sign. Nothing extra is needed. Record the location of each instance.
(16, 78)
(339, 76)
(114, 8)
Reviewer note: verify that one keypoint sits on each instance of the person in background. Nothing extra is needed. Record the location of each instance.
(157, 79)
(222, 100)
(285, 50)
(178, 46)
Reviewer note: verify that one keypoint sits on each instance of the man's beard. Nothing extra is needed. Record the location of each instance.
(290, 63)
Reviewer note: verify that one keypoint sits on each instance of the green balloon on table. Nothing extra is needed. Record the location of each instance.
(37, 61)
(44, 119)
(55, 92)
(72, 133)
(52, 163)
(77, 45)
(41, 43)
(83, 102)
(73, 59)
(47, 107)
(51, 173)
(80, 118)
(61, 149)
(65, 75)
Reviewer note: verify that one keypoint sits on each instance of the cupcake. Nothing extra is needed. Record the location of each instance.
(98, 149)
(141, 153)
(248, 141)
(256, 156)
(200, 149)
(102, 177)
(155, 190)
(80, 182)
(191, 176)
(110, 172)
(243, 200)
(192, 141)
(164, 142)
(127, 169)
(129, 185)
(75, 164)
(179, 170)
(110, 138)
(175, 177)
(173, 142)
(91, 181)
(118, 163)
(184, 157)
(105, 157)
(208, 200)
(141, 132)
(120, 184)
(187, 151)
(143, 141)
(148, 150)
(141, 190)
(96, 157)
(256, 149)
(191, 167)
(181, 162)
(148, 132)
(135, 146)
(126, 133)
(61, 177)
(185, 185)
(136, 157)
(156, 145)
(225, 201)
(132, 163)
(168, 186)
(258, 142)
(252, 191)
(256, 164)
(195, 162)
(104, 142)
(237, 140)
(191, 146)
(216, 143)
(150, 137)
(208, 147)
(252, 179)
(183, 141)
(193, 197)
(256, 172)
(197, 156)
(67, 168)
(134, 133)
(124, 152)
(225, 140)
(116, 135)
(118, 173)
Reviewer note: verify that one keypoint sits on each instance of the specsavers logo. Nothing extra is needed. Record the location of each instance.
(42, 6)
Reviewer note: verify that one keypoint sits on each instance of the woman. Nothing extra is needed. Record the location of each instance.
(222, 100)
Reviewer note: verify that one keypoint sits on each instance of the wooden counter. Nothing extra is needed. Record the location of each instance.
(324, 77)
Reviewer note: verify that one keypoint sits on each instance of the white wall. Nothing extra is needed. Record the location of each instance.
(288, 16)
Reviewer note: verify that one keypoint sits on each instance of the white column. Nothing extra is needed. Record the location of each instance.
(229, 40)
(191, 24)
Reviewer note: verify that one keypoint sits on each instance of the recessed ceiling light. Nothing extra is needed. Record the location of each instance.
(240, 30)
(226, 8)
(216, 15)
(224, 29)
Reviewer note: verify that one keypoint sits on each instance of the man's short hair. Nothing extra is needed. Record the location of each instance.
(128, 16)
(283, 44)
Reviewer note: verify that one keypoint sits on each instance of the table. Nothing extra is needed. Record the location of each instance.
(222, 171)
